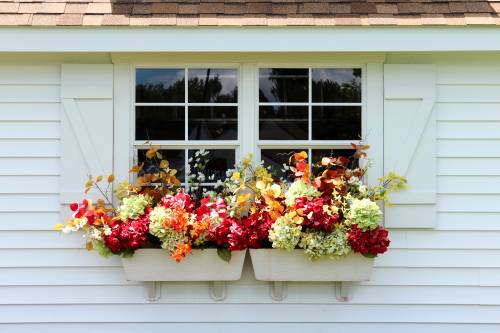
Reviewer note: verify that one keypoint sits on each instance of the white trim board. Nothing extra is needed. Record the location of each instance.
(249, 39)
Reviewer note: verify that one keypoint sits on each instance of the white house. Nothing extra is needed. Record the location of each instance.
(426, 81)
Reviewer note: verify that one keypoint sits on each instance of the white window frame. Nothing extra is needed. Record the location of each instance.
(186, 144)
(248, 65)
(309, 144)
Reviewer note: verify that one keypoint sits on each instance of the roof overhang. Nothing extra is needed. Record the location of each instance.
(250, 39)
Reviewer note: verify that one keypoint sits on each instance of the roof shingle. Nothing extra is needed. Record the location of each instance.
(248, 12)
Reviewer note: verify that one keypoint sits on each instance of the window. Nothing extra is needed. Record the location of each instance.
(313, 109)
(182, 110)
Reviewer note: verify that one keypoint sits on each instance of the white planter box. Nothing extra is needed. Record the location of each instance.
(200, 265)
(281, 265)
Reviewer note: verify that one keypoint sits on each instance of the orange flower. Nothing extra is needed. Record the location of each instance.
(178, 220)
(181, 251)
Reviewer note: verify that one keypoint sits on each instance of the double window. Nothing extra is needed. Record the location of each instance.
(183, 110)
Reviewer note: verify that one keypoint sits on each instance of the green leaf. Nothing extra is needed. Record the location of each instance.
(127, 253)
(369, 255)
(224, 254)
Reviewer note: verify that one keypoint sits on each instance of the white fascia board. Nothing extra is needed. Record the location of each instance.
(249, 39)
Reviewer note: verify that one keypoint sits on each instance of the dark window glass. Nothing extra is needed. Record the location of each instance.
(174, 157)
(212, 85)
(277, 158)
(340, 85)
(336, 122)
(159, 123)
(318, 154)
(213, 123)
(159, 86)
(283, 123)
(283, 85)
(219, 161)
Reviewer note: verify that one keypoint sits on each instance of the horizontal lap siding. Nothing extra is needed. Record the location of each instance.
(432, 277)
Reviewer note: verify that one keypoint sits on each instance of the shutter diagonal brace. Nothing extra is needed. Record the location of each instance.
(81, 133)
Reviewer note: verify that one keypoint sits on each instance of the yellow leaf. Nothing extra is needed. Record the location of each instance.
(111, 178)
(276, 190)
(87, 189)
(163, 164)
(99, 178)
(137, 168)
(242, 199)
(89, 246)
(58, 227)
(89, 182)
(151, 152)
(260, 185)
(158, 155)
(325, 161)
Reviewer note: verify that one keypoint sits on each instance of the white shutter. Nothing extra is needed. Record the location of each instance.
(86, 128)
(410, 143)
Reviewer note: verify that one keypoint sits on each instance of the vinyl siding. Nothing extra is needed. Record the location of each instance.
(435, 280)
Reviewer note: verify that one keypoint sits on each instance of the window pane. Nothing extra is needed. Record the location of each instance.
(283, 123)
(340, 85)
(159, 123)
(336, 122)
(219, 161)
(159, 86)
(318, 154)
(275, 158)
(213, 123)
(212, 85)
(174, 157)
(283, 85)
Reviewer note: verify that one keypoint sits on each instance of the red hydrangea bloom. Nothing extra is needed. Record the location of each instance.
(220, 233)
(181, 199)
(314, 215)
(128, 235)
(250, 232)
(369, 242)
(209, 208)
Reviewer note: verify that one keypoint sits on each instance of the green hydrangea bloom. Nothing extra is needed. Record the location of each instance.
(365, 213)
(102, 249)
(132, 207)
(317, 244)
(169, 237)
(300, 189)
(158, 215)
(285, 233)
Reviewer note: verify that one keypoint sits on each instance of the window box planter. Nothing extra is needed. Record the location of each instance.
(155, 265)
(200, 265)
(280, 266)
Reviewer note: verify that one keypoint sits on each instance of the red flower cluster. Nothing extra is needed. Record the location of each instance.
(181, 200)
(250, 232)
(314, 215)
(91, 213)
(238, 234)
(369, 242)
(128, 235)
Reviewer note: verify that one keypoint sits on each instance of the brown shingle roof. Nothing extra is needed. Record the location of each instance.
(249, 12)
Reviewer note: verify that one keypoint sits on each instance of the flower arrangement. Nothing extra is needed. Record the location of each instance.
(329, 214)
